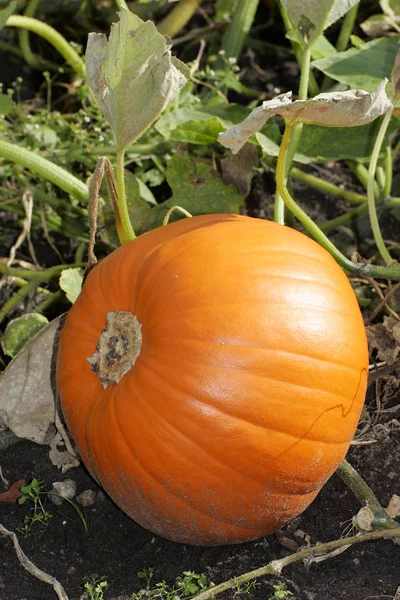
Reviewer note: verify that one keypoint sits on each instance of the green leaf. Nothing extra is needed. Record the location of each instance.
(71, 283)
(7, 12)
(311, 17)
(271, 148)
(322, 48)
(20, 330)
(198, 132)
(197, 189)
(333, 143)
(6, 104)
(133, 75)
(363, 67)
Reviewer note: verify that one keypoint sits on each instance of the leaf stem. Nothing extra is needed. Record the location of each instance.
(44, 168)
(23, 36)
(279, 210)
(314, 230)
(37, 277)
(347, 28)
(238, 29)
(326, 187)
(380, 244)
(177, 18)
(364, 494)
(275, 567)
(121, 4)
(124, 225)
(53, 37)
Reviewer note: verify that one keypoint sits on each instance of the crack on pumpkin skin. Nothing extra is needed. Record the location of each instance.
(118, 347)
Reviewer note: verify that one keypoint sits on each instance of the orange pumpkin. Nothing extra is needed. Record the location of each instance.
(216, 413)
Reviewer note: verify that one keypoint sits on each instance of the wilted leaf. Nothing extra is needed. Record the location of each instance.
(377, 25)
(311, 17)
(132, 75)
(27, 387)
(362, 67)
(20, 330)
(196, 188)
(238, 169)
(71, 283)
(393, 509)
(385, 338)
(337, 109)
(13, 492)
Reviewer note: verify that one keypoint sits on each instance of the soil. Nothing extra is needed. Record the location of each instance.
(118, 548)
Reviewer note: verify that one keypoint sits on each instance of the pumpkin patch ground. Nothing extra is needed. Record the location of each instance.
(212, 137)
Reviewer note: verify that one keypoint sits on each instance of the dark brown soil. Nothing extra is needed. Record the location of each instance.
(117, 548)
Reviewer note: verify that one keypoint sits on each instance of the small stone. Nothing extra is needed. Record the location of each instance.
(87, 498)
(289, 544)
(356, 561)
(66, 489)
(71, 571)
(299, 534)
(100, 497)
(392, 475)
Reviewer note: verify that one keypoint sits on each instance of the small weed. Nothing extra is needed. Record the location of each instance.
(245, 588)
(187, 585)
(31, 493)
(280, 592)
(95, 586)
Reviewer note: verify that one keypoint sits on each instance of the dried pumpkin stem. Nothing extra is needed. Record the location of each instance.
(118, 347)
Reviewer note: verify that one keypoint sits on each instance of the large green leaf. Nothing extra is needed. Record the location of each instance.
(198, 132)
(197, 189)
(331, 144)
(132, 75)
(363, 67)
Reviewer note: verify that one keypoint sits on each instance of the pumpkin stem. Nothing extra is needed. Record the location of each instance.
(118, 347)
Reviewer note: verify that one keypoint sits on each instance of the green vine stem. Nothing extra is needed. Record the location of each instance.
(51, 299)
(173, 209)
(347, 29)
(238, 29)
(314, 230)
(53, 37)
(344, 219)
(326, 187)
(361, 172)
(23, 36)
(177, 18)
(388, 173)
(36, 278)
(125, 229)
(365, 495)
(44, 168)
(279, 206)
(376, 230)
(298, 51)
(121, 4)
(276, 566)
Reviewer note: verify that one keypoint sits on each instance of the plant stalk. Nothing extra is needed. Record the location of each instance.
(53, 37)
(314, 230)
(326, 187)
(23, 36)
(44, 168)
(177, 18)
(124, 225)
(239, 28)
(376, 230)
(279, 206)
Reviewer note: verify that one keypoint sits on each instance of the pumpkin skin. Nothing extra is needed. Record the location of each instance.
(249, 383)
